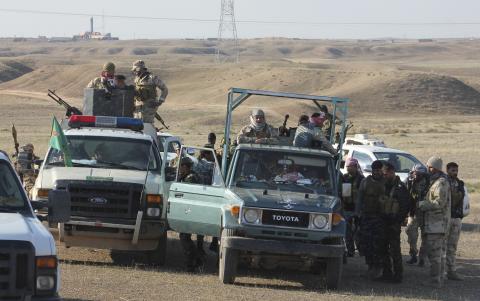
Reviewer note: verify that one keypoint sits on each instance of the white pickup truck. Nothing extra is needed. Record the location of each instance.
(28, 261)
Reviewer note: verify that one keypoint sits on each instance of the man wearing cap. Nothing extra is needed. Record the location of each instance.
(258, 131)
(106, 79)
(307, 136)
(193, 258)
(395, 210)
(453, 234)
(436, 208)
(146, 96)
(354, 177)
(372, 226)
(417, 185)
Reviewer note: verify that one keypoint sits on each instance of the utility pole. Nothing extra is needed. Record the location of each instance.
(227, 40)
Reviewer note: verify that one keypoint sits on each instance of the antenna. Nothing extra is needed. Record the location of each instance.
(227, 40)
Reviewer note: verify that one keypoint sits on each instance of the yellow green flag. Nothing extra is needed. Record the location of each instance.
(59, 142)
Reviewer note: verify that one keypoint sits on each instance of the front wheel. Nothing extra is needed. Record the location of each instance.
(159, 255)
(228, 260)
(334, 272)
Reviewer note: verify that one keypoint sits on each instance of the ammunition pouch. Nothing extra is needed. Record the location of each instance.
(390, 206)
(24, 162)
(457, 199)
(146, 92)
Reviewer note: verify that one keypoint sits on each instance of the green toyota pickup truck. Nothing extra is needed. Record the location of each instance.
(271, 203)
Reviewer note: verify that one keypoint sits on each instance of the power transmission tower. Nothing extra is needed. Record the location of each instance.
(227, 40)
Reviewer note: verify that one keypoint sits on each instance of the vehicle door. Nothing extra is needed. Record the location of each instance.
(197, 195)
(169, 152)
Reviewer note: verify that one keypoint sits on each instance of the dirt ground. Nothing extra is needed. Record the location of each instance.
(405, 93)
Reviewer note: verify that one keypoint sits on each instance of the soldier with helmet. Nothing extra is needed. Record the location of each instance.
(106, 80)
(25, 166)
(258, 131)
(146, 96)
(417, 186)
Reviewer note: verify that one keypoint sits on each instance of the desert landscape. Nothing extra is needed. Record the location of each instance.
(422, 97)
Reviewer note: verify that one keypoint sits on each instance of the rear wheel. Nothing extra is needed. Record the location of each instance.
(159, 255)
(228, 261)
(122, 257)
(334, 272)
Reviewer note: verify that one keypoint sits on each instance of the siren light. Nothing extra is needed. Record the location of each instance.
(78, 121)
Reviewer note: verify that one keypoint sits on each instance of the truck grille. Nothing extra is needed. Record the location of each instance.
(285, 218)
(17, 262)
(105, 199)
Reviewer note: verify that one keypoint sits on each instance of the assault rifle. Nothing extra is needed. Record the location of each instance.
(70, 110)
(159, 118)
(15, 139)
(283, 131)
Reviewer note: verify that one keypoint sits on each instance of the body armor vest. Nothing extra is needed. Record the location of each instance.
(374, 196)
(457, 196)
(24, 162)
(145, 88)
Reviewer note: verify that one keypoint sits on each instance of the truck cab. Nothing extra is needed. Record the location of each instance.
(28, 260)
(115, 184)
(269, 204)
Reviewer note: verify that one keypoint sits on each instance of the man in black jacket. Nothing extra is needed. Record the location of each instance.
(396, 206)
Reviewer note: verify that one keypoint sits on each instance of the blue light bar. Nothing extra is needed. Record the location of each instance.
(77, 121)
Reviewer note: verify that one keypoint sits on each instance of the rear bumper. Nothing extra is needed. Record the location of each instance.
(283, 247)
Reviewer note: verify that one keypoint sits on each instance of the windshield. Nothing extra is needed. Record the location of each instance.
(171, 146)
(284, 171)
(402, 162)
(107, 152)
(11, 196)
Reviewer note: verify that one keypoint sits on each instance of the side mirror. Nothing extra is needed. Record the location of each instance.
(59, 206)
(346, 190)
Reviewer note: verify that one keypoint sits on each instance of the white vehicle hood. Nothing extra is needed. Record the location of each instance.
(15, 226)
(49, 176)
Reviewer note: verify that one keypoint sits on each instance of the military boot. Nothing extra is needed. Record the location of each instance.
(412, 260)
(452, 275)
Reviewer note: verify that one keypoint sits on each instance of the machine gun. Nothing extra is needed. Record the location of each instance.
(159, 118)
(70, 110)
(283, 131)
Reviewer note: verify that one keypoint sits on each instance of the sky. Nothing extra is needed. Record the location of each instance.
(295, 13)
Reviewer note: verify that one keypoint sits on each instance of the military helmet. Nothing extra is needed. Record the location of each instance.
(186, 161)
(138, 65)
(109, 67)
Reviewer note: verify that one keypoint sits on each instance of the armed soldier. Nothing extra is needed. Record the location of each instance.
(258, 131)
(25, 166)
(106, 80)
(307, 136)
(395, 210)
(193, 258)
(417, 186)
(146, 96)
(453, 234)
(353, 176)
(372, 226)
(436, 208)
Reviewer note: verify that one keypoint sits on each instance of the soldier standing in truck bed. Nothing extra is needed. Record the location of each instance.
(105, 81)
(24, 165)
(146, 96)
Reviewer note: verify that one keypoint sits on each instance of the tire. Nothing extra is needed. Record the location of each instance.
(334, 272)
(159, 255)
(228, 261)
(122, 257)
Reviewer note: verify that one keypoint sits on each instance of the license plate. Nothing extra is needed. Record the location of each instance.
(285, 218)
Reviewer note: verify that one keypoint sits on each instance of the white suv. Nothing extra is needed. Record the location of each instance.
(28, 261)
(366, 154)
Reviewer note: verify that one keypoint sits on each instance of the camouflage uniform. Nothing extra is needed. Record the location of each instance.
(455, 227)
(396, 207)
(103, 82)
(146, 96)
(418, 190)
(306, 135)
(248, 134)
(372, 225)
(25, 167)
(348, 204)
(436, 208)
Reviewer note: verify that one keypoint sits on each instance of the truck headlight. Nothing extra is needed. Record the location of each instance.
(252, 216)
(45, 283)
(153, 211)
(320, 221)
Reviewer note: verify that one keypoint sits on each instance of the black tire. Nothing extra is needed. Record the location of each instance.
(334, 272)
(122, 257)
(228, 261)
(159, 255)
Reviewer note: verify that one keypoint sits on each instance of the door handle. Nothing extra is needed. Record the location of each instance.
(179, 195)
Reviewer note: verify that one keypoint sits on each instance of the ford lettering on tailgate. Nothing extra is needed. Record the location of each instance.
(285, 218)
